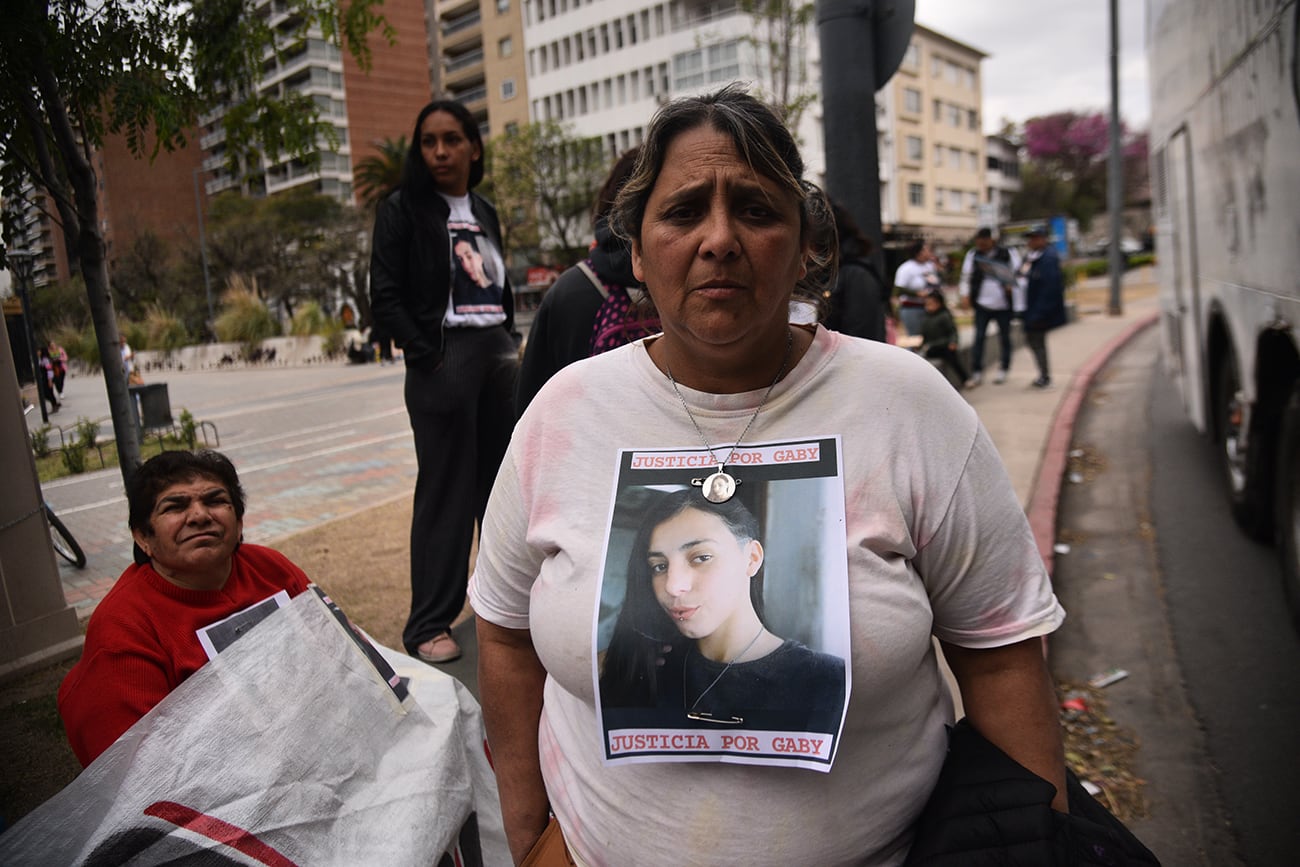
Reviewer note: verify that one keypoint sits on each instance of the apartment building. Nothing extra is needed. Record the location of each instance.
(363, 108)
(1001, 179)
(480, 60)
(604, 66)
(935, 143)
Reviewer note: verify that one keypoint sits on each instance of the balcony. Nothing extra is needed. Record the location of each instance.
(462, 32)
(463, 71)
(474, 99)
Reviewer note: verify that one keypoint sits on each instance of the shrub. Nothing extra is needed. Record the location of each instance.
(165, 329)
(74, 458)
(243, 317)
(189, 429)
(1139, 259)
(87, 433)
(41, 441)
(136, 333)
(333, 338)
(308, 319)
(79, 343)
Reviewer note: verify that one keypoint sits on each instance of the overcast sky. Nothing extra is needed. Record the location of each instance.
(1048, 55)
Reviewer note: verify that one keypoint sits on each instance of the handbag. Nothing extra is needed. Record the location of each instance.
(987, 808)
(549, 850)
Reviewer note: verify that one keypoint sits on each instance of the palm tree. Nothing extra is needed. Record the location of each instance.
(378, 174)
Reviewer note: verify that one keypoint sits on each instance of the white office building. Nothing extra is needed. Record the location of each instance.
(604, 66)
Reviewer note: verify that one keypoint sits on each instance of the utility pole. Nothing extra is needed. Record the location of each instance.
(1115, 172)
(203, 247)
(21, 261)
(862, 43)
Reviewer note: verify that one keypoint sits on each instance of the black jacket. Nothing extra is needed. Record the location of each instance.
(410, 271)
(856, 303)
(987, 809)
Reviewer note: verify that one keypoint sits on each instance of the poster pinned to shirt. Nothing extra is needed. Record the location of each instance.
(478, 277)
(722, 633)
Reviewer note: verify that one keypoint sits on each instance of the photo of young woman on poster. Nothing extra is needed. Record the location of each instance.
(691, 646)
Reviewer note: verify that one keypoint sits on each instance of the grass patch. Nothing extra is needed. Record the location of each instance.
(53, 466)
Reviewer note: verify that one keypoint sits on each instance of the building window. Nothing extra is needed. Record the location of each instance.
(974, 161)
(938, 198)
(912, 100)
(938, 156)
(912, 59)
(916, 195)
(974, 201)
(503, 6)
(512, 128)
(954, 157)
(914, 147)
(505, 47)
(938, 110)
(972, 118)
(936, 66)
(717, 63)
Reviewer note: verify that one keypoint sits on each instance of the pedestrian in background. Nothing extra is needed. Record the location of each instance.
(856, 301)
(1044, 298)
(592, 307)
(59, 360)
(44, 376)
(914, 279)
(457, 338)
(988, 283)
(939, 335)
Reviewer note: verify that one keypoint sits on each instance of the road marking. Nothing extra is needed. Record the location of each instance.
(270, 465)
(333, 435)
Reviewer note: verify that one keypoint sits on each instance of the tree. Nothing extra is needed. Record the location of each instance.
(72, 71)
(378, 174)
(542, 169)
(780, 39)
(1065, 167)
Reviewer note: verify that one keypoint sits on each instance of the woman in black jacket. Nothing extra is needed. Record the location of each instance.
(438, 286)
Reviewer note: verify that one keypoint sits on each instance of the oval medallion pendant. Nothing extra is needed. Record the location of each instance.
(719, 487)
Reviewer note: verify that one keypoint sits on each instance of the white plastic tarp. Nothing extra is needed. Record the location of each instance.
(289, 748)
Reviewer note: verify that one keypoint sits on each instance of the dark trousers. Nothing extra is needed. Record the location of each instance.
(1036, 340)
(983, 316)
(462, 415)
(949, 357)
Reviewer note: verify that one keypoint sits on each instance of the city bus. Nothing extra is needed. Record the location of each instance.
(1225, 174)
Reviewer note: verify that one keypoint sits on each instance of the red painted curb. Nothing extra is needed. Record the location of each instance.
(1046, 494)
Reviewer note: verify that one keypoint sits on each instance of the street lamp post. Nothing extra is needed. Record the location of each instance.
(203, 247)
(22, 261)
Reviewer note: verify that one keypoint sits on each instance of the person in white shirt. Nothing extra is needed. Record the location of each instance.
(988, 283)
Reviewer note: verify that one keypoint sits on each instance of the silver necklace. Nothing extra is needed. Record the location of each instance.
(721, 485)
(704, 716)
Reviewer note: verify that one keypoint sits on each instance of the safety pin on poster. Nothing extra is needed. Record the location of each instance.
(722, 631)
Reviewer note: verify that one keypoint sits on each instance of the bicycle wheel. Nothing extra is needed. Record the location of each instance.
(64, 545)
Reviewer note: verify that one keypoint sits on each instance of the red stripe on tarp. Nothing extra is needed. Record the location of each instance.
(215, 829)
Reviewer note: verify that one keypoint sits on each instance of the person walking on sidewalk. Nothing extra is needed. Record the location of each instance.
(988, 283)
(939, 335)
(461, 358)
(1044, 298)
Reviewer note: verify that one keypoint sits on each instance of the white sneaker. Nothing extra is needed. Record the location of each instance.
(999, 377)
(975, 379)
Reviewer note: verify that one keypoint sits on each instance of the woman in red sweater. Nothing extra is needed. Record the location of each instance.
(191, 570)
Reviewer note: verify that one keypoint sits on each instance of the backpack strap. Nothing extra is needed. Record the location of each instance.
(585, 266)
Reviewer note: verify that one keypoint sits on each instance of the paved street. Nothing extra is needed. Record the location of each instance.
(311, 444)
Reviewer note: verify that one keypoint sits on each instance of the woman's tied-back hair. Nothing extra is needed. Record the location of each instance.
(169, 468)
(415, 174)
(643, 629)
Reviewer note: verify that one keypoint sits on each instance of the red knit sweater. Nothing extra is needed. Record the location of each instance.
(141, 643)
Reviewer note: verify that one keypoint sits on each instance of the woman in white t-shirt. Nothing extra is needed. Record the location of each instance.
(911, 525)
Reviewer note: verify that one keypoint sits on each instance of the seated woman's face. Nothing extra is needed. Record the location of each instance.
(701, 572)
(195, 529)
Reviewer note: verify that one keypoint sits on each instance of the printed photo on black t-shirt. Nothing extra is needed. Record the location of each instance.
(722, 632)
(476, 287)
